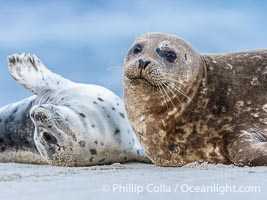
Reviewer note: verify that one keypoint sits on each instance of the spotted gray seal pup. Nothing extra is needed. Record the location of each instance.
(191, 107)
(69, 124)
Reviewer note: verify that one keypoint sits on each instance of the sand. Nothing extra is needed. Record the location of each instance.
(132, 181)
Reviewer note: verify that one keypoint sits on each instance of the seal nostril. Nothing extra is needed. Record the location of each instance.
(146, 64)
(143, 64)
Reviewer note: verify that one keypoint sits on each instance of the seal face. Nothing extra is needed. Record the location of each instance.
(74, 124)
(188, 107)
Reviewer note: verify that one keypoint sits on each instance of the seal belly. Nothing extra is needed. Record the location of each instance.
(16, 133)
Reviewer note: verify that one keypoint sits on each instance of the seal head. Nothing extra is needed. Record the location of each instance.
(58, 132)
(165, 63)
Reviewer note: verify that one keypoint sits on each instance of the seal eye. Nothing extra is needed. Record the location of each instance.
(170, 56)
(47, 136)
(137, 49)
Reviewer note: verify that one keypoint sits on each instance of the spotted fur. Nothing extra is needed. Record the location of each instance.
(216, 112)
(67, 123)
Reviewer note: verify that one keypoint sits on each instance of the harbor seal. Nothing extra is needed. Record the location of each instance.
(65, 123)
(191, 107)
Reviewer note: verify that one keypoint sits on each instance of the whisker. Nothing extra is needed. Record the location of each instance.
(162, 95)
(117, 61)
(167, 83)
(169, 80)
(167, 94)
(183, 93)
(115, 67)
(40, 100)
(170, 89)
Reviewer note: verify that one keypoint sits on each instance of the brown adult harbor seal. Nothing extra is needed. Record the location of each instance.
(65, 123)
(191, 107)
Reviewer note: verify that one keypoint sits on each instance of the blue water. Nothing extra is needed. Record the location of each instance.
(86, 41)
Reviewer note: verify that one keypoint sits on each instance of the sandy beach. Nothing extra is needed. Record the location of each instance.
(132, 181)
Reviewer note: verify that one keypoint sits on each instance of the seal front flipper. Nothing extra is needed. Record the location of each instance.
(248, 148)
(30, 72)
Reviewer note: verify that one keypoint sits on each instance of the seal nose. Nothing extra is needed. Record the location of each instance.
(143, 64)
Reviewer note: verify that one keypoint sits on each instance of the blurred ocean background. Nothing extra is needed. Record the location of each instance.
(86, 40)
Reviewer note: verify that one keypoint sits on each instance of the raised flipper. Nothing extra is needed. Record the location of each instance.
(30, 72)
(248, 148)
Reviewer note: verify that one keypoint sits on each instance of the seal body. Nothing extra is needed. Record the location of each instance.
(65, 123)
(187, 107)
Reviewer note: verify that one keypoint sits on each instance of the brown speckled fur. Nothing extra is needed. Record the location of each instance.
(226, 121)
